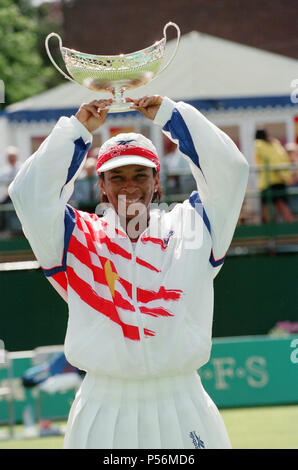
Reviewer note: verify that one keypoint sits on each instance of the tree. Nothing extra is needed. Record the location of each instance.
(23, 66)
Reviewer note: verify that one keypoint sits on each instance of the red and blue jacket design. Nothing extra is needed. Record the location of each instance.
(145, 310)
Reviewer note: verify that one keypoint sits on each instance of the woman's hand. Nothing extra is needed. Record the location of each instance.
(93, 115)
(148, 105)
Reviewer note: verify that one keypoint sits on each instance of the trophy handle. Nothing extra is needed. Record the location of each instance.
(50, 55)
(170, 23)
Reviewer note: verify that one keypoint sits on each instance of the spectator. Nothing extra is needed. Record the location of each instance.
(86, 187)
(9, 171)
(179, 179)
(8, 220)
(272, 181)
(292, 151)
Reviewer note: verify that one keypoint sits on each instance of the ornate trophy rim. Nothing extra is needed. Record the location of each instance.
(127, 55)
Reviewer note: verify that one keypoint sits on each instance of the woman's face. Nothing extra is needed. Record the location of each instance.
(130, 189)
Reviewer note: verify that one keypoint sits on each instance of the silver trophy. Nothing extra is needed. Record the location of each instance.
(114, 73)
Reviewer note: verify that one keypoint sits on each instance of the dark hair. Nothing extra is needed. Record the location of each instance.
(156, 196)
(261, 134)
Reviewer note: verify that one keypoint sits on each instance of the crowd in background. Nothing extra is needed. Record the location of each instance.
(277, 181)
(275, 176)
(8, 219)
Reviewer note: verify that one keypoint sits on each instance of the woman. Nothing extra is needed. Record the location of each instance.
(273, 179)
(139, 282)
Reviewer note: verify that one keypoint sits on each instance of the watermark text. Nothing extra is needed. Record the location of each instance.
(294, 93)
(185, 225)
(2, 352)
(2, 92)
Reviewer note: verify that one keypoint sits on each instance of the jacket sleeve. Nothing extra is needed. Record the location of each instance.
(42, 188)
(219, 168)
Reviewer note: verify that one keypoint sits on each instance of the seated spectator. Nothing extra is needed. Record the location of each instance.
(272, 180)
(86, 187)
(292, 151)
(8, 219)
(178, 177)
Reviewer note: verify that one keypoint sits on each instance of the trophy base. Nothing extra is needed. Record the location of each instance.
(120, 107)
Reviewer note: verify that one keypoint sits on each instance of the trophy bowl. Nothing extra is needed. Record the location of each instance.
(114, 73)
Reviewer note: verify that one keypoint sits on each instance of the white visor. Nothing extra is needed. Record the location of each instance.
(123, 160)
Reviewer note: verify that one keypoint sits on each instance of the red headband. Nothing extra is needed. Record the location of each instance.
(126, 150)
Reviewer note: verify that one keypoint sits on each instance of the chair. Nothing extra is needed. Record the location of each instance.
(6, 389)
(57, 375)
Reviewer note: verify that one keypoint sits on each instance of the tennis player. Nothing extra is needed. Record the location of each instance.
(139, 290)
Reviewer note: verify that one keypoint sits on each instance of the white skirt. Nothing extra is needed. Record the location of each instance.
(158, 413)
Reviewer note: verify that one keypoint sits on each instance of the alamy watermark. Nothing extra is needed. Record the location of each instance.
(294, 353)
(2, 352)
(185, 224)
(294, 93)
(2, 92)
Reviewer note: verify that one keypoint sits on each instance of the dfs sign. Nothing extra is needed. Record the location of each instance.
(255, 370)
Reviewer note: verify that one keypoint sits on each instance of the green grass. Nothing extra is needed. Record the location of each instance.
(50, 442)
(272, 427)
(54, 442)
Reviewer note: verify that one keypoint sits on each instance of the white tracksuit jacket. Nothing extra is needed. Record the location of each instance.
(140, 320)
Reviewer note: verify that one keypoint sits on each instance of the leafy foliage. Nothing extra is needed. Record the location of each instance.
(24, 67)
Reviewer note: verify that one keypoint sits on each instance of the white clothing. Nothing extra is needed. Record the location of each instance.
(171, 412)
(61, 383)
(7, 174)
(140, 321)
(175, 164)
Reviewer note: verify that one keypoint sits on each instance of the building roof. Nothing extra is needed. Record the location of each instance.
(207, 71)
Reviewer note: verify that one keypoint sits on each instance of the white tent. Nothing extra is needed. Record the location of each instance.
(235, 86)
